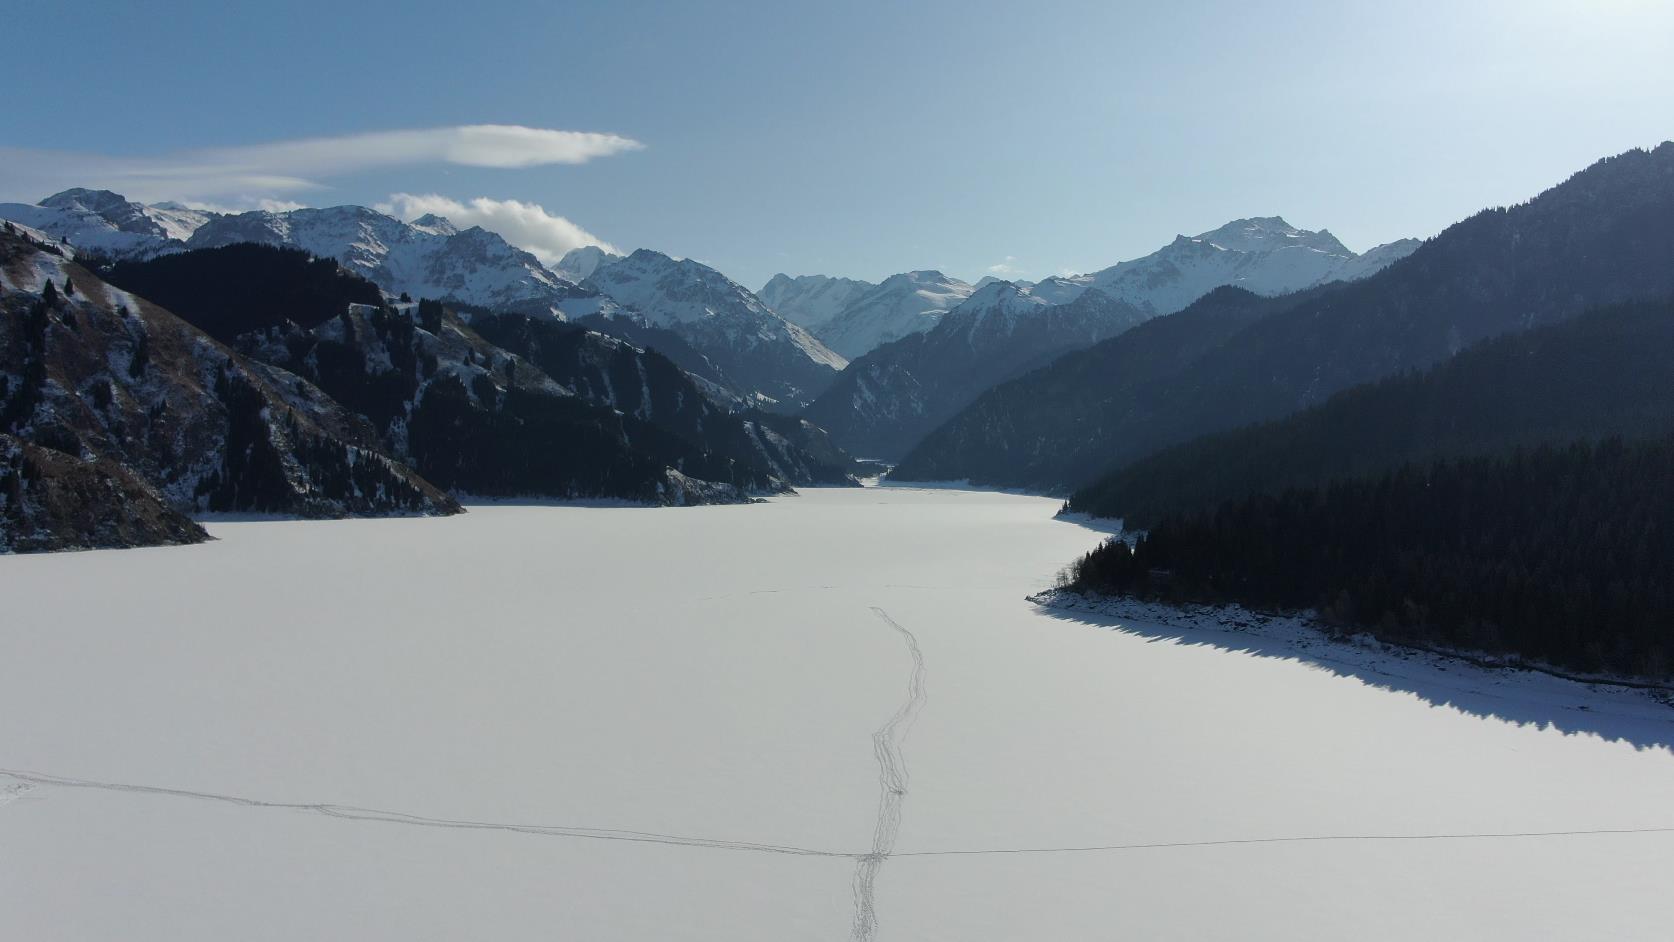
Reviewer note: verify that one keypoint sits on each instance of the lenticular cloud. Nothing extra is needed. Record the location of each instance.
(290, 166)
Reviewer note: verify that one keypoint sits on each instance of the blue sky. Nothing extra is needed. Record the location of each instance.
(857, 139)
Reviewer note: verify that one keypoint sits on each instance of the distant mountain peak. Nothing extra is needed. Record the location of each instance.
(91, 200)
(1269, 234)
(434, 223)
(579, 264)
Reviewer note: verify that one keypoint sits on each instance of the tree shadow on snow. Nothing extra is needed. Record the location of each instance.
(1641, 718)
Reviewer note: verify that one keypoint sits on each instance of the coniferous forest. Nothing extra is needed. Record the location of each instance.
(1559, 555)
(1604, 373)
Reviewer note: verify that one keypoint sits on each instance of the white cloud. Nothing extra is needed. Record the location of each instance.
(247, 174)
(526, 225)
(1006, 269)
(244, 204)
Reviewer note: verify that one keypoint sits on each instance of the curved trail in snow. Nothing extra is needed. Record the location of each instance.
(892, 788)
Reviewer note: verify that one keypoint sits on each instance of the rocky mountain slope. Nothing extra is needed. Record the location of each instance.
(579, 264)
(106, 222)
(1264, 255)
(1605, 235)
(908, 303)
(890, 398)
(290, 309)
(50, 501)
(810, 300)
(96, 372)
(778, 363)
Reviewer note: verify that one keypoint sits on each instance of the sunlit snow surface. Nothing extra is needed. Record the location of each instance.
(712, 677)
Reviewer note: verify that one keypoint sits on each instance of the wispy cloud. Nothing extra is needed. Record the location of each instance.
(526, 225)
(245, 175)
(1005, 269)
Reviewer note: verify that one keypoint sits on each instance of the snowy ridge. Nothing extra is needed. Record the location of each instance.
(889, 398)
(1266, 255)
(811, 300)
(427, 258)
(904, 304)
(723, 320)
(108, 223)
(579, 264)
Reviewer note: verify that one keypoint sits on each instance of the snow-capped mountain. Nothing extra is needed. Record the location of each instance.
(1375, 259)
(579, 264)
(1265, 255)
(908, 303)
(428, 257)
(891, 397)
(811, 300)
(767, 355)
(109, 223)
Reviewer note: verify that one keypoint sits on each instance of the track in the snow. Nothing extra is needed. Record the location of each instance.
(892, 788)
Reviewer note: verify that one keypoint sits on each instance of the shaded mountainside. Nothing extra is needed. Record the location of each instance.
(634, 426)
(1603, 236)
(767, 450)
(713, 380)
(1557, 555)
(887, 400)
(776, 363)
(1050, 417)
(93, 371)
(475, 418)
(53, 501)
(228, 291)
(1607, 372)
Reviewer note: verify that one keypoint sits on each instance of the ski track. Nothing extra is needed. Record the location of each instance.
(892, 788)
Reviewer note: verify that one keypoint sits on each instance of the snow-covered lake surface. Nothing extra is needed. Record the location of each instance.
(767, 722)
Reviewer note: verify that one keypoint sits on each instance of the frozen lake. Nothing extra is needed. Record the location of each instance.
(766, 722)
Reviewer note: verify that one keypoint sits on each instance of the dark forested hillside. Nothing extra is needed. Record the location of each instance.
(1556, 554)
(487, 419)
(237, 288)
(1608, 372)
(50, 500)
(1040, 426)
(1603, 236)
(97, 373)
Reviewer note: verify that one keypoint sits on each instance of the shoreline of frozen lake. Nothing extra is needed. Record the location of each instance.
(400, 692)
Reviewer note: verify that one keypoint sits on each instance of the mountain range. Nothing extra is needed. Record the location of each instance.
(888, 399)
(1264, 255)
(778, 364)
(339, 406)
(1235, 357)
(1605, 373)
